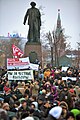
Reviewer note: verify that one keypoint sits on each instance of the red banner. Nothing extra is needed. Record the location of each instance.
(16, 51)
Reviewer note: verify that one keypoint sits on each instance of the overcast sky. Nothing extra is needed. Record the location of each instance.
(12, 14)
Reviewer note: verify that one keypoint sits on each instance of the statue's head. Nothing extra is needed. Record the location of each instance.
(33, 4)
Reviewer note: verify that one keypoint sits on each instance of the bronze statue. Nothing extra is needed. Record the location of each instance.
(34, 22)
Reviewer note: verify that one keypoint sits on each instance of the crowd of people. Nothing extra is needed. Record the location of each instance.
(47, 97)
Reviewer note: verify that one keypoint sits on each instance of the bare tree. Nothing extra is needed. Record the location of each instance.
(78, 58)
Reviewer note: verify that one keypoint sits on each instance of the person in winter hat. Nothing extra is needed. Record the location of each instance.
(54, 113)
(70, 116)
(64, 106)
(66, 96)
(3, 114)
(35, 104)
(75, 112)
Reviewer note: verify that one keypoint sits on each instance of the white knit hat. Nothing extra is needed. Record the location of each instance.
(56, 112)
(28, 118)
(36, 105)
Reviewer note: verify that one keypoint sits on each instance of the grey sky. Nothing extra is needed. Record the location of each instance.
(12, 13)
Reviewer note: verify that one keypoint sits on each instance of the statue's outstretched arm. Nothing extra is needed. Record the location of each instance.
(25, 17)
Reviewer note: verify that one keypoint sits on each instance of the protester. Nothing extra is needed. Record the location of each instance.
(55, 113)
(70, 116)
(3, 115)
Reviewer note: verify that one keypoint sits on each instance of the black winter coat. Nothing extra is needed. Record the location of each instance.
(50, 118)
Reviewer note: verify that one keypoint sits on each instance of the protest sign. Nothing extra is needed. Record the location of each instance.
(18, 63)
(20, 75)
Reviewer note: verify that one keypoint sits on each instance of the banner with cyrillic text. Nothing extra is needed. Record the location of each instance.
(20, 75)
(69, 78)
(18, 63)
(34, 66)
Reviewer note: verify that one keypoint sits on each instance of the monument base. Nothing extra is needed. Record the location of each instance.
(33, 51)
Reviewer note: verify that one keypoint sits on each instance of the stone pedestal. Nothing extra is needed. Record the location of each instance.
(33, 49)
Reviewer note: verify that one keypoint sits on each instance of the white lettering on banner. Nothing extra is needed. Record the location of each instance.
(64, 68)
(16, 51)
(71, 78)
(20, 75)
(18, 63)
(34, 66)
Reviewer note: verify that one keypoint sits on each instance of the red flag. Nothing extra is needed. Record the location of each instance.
(16, 51)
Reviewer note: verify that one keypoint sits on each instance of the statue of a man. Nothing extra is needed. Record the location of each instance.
(34, 22)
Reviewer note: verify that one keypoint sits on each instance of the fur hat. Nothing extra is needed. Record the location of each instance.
(35, 104)
(63, 104)
(56, 112)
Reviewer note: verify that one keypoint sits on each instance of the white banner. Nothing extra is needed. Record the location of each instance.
(18, 63)
(71, 78)
(34, 66)
(64, 68)
(20, 75)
